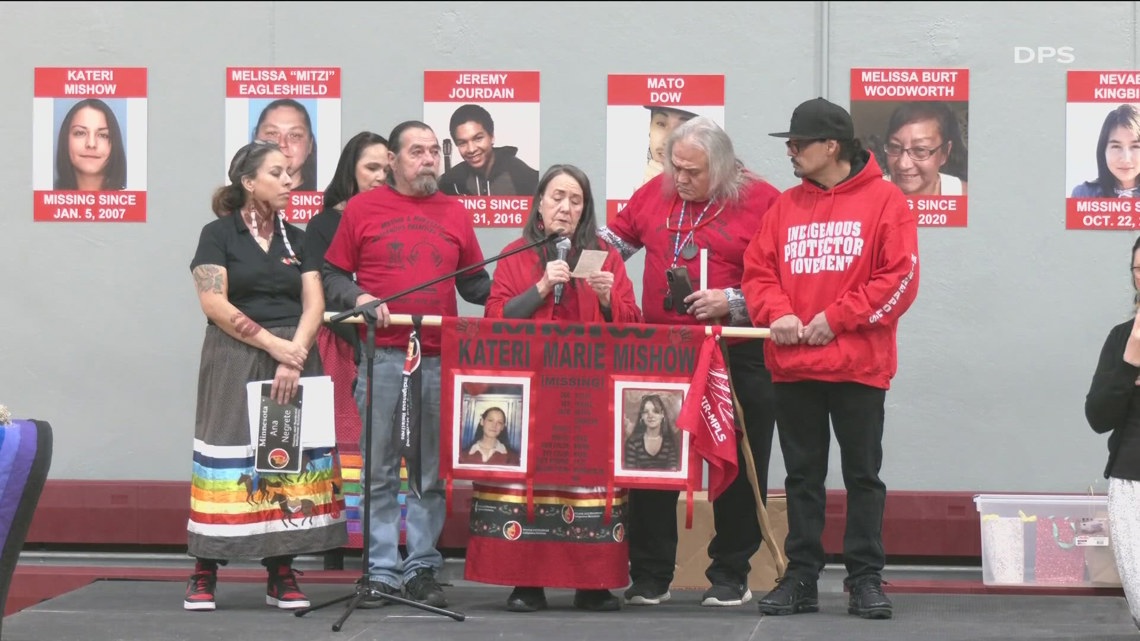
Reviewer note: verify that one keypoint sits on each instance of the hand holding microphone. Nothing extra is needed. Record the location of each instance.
(563, 247)
(447, 154)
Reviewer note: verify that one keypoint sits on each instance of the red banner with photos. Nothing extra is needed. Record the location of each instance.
(556, 403)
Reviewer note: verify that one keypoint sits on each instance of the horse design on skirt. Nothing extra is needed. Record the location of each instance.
(257, 487)
(292, 507)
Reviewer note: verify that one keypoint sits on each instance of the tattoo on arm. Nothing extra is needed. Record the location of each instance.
(208, 278)
(244, 326)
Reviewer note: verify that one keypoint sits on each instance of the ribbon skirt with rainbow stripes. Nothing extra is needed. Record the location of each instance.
(236, 512)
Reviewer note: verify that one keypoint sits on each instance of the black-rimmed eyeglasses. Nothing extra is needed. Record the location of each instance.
(797, 145)
(915, 153)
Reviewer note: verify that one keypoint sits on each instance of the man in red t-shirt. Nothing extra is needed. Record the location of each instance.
(705, 201)
(833, 268)
(393, 238)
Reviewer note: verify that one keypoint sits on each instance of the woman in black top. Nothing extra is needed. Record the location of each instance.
(1113, 406)
(363, 166)
(262, 298)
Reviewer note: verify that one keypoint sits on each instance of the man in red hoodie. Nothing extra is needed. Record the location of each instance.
(833, 267)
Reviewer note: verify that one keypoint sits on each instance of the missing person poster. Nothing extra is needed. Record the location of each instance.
(278, 444)
(487, 123)
(641, 112)
(89, 144)
(915, 122)
(299, 109)
(1102, 150)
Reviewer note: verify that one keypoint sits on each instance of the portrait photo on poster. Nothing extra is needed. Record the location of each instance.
(90, 145)
(489, 428)
(488, 149)
(647, 441)
(292, 124)
(921, 145)
(635, 142)
(1102, 150)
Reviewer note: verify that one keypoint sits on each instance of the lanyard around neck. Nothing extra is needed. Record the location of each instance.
(692, 229)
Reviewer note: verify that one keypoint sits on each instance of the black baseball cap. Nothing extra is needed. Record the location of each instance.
(818, 118)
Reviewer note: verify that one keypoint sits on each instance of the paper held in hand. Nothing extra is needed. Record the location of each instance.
(275, 430)
(589, 262)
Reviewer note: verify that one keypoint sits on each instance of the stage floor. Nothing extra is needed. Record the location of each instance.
(137, 610)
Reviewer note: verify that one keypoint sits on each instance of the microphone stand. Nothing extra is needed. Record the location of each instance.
(363, 587)
(360, 309)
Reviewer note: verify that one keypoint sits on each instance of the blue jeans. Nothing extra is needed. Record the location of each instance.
(425, 515)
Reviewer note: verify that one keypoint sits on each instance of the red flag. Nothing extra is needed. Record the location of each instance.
(708, 417)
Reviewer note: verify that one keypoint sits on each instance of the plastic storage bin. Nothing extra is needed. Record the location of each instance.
(1046, 540)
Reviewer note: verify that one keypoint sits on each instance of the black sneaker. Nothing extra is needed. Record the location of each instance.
(790, 596)
(526, 600)
(726, 595)
(281, 589)
(424, 588)
(596, 601)
(372, 600)
(646, 592)
(200, 591)
(868, 600)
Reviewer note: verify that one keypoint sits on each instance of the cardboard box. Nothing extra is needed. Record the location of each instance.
(692, 545)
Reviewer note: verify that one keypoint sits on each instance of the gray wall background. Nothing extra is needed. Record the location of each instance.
(100, 328)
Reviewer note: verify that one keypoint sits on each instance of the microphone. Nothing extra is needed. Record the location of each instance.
(563, 249)
(359, 310)
(447, 154)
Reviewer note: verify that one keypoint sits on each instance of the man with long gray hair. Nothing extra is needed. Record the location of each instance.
(704, 201)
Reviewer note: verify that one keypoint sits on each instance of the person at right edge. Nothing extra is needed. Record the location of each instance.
(394, 237)
(834, 266)
(706, 199)
(1113, 406)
